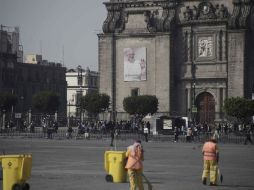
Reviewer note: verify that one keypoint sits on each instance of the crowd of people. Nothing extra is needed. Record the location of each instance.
(137, 126)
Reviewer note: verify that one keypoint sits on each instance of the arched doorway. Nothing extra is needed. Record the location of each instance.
(206, 108)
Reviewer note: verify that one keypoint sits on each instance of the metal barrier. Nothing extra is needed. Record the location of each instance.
(61, 134)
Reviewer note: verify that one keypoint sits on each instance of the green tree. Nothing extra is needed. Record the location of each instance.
(141, 105)
(239, 108)
(95, 103)
(7, 100)
(46, 101)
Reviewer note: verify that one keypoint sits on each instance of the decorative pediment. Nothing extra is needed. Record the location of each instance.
(157, 15)
(205, 11)
(163, 22)
(115, 21)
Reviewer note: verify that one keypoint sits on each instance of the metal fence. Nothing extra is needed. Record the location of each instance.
(62, 134)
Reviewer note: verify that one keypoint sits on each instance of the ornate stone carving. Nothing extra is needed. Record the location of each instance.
(115, 21)
(205, 47)
(205, 11)
(221, 11)
(245, 13)
(105, 26)
(233, 21)
(151, 20)
(168, 17)
(241, 14)
(156, 23)
(188, 14)
(118, 11)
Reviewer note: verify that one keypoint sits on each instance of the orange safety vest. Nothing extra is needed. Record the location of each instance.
(134, 161)
(210, 151)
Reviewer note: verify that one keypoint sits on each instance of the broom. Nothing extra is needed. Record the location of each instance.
(150, 187)
(220, 174)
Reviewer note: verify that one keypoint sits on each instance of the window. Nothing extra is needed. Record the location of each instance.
(135, 92)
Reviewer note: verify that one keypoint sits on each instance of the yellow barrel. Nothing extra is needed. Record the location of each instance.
(16, 170)
(114, 163)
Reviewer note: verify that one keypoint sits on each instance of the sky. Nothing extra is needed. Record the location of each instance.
(61, 30)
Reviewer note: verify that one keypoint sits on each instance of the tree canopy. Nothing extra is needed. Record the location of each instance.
(239, 108)
(7, 100)
(141, 105)
(95, 103)
(46, 101)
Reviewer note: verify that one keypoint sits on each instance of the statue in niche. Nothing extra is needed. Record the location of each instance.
(217, 10)
(150, 20)
(195, 12)
(206, 9)
(221, 11)
(188, 14)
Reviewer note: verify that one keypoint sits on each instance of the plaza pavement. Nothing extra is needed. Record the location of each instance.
(79, 164)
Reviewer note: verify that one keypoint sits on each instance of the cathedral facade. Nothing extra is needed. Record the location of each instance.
(190, 54)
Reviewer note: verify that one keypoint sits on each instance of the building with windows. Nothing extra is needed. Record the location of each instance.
(190, 54)
(33, 59)
(26, 79)
(79, 82)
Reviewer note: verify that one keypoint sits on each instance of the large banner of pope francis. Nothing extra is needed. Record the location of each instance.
(135, 64)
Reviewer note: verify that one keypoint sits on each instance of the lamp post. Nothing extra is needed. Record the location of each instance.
(79, 92)
(22, 104)
(3, 119)
(194, 108)
(69, 111)
(80, 103)
(193, 87)
(29, 116)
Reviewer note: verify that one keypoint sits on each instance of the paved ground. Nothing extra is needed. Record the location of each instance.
(79, 164)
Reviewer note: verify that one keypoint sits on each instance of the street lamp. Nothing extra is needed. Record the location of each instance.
(3, 120)
(79, 91)
(69, 114)
(193, 87)
(80, 103)
(70, 102)
(22, 104)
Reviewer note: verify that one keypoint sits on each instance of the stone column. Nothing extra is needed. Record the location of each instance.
(3, 119)
(236, 61)
(219, 48)
(224, 94)
(223, 44)
(106, 61)
(189, 102)
(189, 98)
(188, 46)
(217, 105)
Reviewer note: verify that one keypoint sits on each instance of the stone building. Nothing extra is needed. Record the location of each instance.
(192, 54)
(79, 82)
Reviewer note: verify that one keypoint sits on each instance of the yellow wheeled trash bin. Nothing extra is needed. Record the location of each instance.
(114, 163)
(16, 171)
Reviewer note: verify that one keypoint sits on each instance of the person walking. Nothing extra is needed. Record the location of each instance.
(69, 133)
(188, 134)
(176, 134)
(146, 131)
(112, 136)
(134, 165)
(211, 158)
